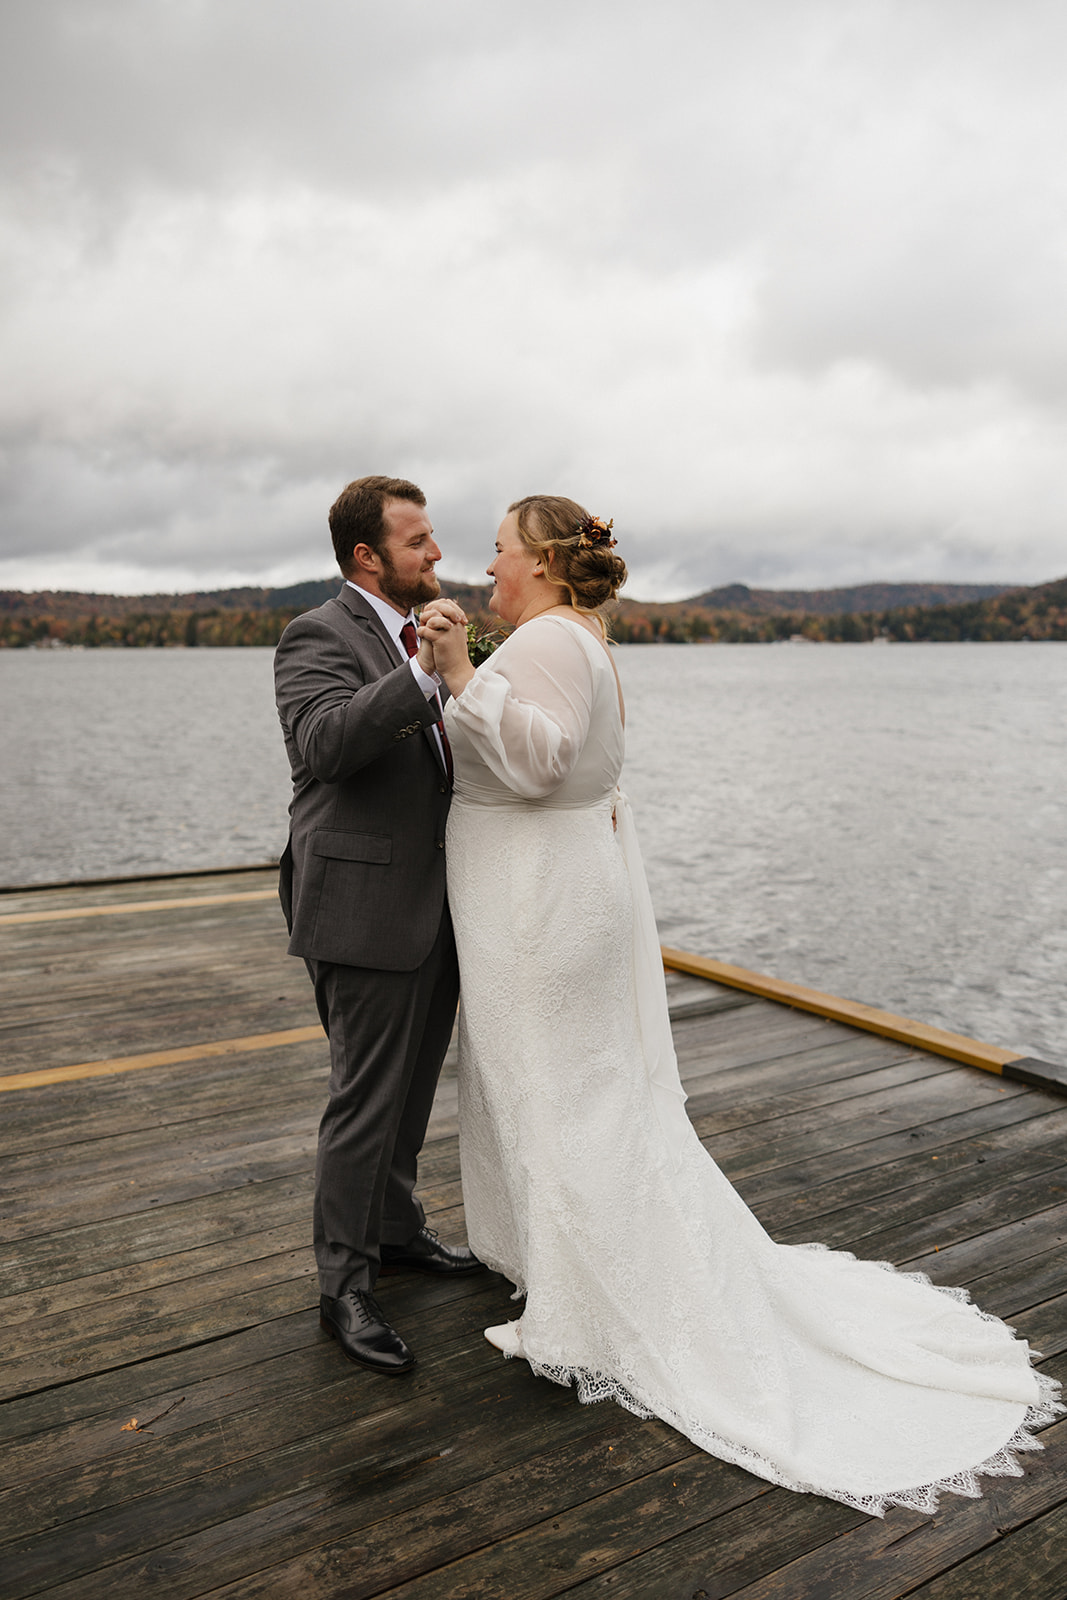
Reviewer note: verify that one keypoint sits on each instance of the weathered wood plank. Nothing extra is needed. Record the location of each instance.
(203, 976)
(407, 1547)
(111, 1194)
(882, 1560)
(366, 1466)
(1029, 1564)
(717, 1558)
(127, 908)
(159, 1272)
(1014, 1242)
(194, 1448)
(1044, 1321)
(113, 891)
(159, 1097)
(54, 1429)
(837, 1129)
(150, 1237)
(705, 1097)
(938, 1220)
(721, 1557)
(757, 1181)
(117, 1158)
(1031, 1146)
(178, 1223)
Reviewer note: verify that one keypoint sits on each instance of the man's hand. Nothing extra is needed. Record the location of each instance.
(445, 608)
(443, 627)
(424, 655)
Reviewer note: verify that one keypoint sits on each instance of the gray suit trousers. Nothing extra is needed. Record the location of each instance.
(388, 1034)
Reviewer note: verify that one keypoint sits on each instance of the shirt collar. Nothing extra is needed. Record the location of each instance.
(389, 615)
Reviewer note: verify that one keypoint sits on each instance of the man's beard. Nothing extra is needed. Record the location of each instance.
(407, 595)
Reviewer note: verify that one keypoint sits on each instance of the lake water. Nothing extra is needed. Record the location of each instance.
(885, 823)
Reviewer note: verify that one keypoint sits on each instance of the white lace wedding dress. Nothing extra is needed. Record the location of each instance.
(648, 1280)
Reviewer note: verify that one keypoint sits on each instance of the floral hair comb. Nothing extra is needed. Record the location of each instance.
(594, 531)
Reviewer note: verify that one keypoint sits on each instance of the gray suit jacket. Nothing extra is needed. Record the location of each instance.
(363, 877)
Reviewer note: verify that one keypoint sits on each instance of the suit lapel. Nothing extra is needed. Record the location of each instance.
(361, 612)
(370, 622)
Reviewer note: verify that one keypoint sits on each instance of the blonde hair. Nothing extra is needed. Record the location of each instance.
(592, 574)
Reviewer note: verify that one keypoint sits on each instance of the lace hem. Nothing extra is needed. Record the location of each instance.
(593, 1387)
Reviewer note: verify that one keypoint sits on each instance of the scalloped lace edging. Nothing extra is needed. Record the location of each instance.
(950, 1291)
(593, 1387)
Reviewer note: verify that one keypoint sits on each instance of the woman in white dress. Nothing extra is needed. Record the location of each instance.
(647, 1279)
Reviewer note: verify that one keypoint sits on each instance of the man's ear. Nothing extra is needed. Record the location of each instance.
(364, 559)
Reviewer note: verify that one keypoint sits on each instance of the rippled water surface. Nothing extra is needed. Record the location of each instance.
(885, 823)
(129, 761)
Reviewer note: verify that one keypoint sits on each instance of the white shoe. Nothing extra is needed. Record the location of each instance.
(507, 1338)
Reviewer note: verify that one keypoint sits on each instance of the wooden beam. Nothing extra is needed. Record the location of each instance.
(856, 1015)
(159, 1058)
(120, 909)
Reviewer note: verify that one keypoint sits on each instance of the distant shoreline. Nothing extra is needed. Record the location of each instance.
(736, 615)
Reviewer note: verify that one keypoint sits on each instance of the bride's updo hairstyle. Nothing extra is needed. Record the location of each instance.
(575, 548)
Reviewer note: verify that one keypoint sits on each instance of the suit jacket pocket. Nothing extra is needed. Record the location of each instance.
(341, 845)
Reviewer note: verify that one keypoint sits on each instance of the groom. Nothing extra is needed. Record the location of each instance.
(363, 889)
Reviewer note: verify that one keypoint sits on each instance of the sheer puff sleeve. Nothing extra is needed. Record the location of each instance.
(527, 710)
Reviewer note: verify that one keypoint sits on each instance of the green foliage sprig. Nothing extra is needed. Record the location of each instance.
(481, 642)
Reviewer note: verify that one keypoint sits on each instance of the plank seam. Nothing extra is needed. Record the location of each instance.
(10, 918)
(159, 1058)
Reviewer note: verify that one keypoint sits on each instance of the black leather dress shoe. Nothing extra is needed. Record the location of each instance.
(426, 1253)
(355, 1319)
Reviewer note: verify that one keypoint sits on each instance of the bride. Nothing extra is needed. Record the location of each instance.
(647, 1279)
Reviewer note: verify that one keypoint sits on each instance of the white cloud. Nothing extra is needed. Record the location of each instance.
(779, 286)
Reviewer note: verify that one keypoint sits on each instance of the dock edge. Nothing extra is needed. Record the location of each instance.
(957, 1046)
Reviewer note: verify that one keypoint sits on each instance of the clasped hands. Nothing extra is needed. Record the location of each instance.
(443, 643)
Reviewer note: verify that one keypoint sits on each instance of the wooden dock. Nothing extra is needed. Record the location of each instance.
(173, 1422)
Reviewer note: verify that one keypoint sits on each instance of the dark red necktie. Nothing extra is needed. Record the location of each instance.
(410, 640)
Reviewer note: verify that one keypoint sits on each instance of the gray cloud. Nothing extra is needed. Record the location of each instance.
(779, 283)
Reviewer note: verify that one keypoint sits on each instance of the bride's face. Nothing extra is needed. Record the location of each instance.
(515, 571)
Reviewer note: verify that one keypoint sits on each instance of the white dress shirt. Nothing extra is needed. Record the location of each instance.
(428, 682)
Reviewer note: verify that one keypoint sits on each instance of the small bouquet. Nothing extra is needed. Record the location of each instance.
(481, 642)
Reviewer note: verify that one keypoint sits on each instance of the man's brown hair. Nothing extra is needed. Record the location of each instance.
(357, 516)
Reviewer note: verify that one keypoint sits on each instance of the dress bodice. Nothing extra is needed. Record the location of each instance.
(540, 722)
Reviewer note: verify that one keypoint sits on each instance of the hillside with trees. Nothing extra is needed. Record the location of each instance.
(230, 617)
(1037, 613)
(862, 597)
(731, 615)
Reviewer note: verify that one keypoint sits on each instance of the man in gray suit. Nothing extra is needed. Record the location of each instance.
(363, 888)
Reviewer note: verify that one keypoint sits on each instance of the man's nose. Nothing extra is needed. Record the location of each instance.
(434, 551)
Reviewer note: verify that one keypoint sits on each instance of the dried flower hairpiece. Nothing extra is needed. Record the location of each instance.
(593, 531)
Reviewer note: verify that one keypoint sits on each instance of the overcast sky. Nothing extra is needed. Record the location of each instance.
(781, 285)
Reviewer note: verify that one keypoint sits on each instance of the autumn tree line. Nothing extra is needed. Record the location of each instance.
(1037, 613)
(145, 630)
